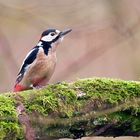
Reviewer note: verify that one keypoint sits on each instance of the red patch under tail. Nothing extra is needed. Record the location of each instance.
(19, 88)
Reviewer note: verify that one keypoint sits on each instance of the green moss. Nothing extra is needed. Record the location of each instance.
(56, 131)
(109, 90)
(124, 117)
(55, 98)
(60, 101)
(9, 125)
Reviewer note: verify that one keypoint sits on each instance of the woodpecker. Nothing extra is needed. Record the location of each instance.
(39, 64)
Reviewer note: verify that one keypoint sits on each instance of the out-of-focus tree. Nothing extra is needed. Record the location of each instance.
(104, 41)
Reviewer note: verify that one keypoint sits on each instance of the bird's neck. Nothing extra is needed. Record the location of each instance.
(46, 47)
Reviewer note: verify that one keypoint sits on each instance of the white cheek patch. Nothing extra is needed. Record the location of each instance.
(61, 39)
(57, 42)
(57, 31)
(48, 38)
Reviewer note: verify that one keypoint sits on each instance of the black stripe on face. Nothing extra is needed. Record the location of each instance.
(61, 34)
(54, 40)
(47, 32)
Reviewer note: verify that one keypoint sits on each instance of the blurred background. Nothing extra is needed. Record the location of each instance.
(104, 41)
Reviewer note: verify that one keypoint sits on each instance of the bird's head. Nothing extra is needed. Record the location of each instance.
(53, 36)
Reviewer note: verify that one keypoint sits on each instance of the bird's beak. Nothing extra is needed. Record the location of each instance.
(65, 32)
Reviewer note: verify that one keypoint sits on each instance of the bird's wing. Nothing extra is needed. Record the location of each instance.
(29, 59)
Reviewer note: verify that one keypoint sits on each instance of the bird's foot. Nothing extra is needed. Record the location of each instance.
(38, 87)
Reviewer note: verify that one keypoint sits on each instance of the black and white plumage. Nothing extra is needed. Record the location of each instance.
(39, 64)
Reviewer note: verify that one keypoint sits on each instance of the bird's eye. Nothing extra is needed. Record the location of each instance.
(52, 34)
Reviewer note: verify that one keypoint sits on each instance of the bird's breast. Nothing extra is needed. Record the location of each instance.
(42, 68)
(45, 64)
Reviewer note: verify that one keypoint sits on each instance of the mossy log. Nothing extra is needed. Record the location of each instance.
(96, 106)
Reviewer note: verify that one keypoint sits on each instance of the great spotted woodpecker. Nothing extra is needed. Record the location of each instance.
(39, 64)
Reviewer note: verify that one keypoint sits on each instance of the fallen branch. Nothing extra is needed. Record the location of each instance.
(86, 107)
